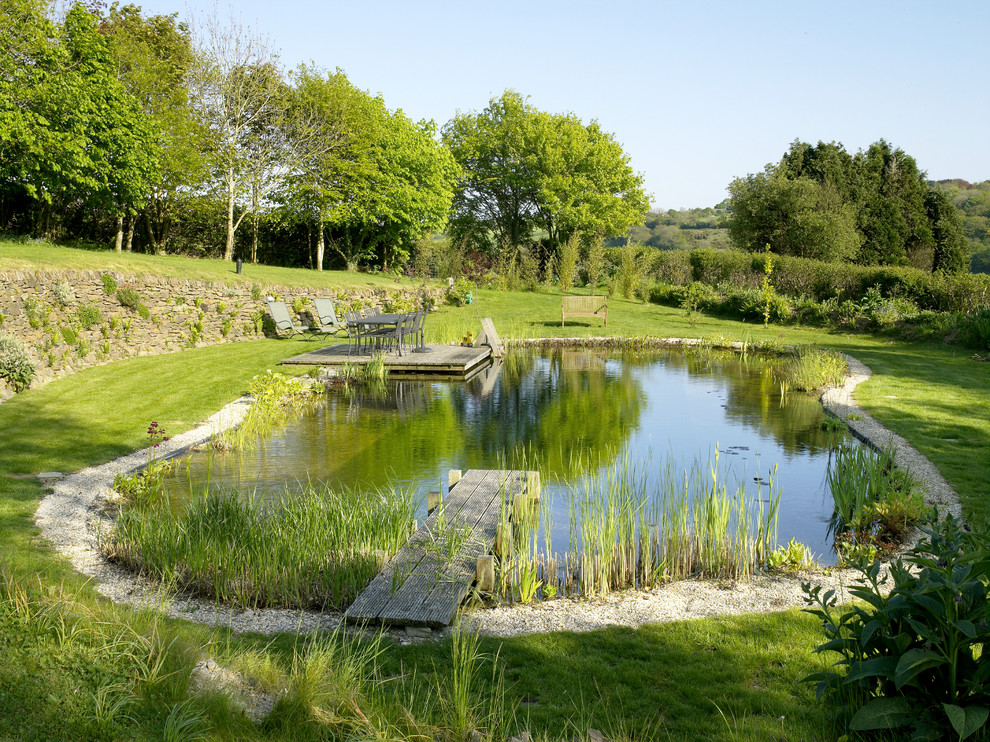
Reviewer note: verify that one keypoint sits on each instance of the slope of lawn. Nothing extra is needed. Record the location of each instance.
(734, 678)
(42, 255)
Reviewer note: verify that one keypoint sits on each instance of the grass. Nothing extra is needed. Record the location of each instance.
(64, 648)
(32, 256)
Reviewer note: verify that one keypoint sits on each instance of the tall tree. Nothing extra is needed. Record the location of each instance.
(155, 57)
(525, 170)
(874, 207)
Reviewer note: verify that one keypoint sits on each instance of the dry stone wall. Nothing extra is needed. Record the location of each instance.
(69, 320)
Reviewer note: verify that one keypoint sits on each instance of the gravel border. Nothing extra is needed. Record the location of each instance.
(71, 517)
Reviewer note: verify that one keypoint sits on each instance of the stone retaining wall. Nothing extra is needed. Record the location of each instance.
(49, 312)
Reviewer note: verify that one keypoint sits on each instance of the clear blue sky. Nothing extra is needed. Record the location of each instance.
(697, 92)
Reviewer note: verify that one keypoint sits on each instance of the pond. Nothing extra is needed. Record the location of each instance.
(574, 412)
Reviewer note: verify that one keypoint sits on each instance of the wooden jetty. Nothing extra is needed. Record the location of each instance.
(443, 361)
(426, 581)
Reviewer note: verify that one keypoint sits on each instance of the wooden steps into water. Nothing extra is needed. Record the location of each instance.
(442, 362)
(427, 580)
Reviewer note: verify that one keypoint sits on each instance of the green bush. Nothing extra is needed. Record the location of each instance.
(974, 331)
(88, 315)
(110, 284)
(459, 292)
(16, 367)
(129, 297)
(912, 660)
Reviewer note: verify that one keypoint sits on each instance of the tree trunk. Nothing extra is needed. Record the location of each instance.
(228, 250)
(119, 240)
(254, 223)
(149, 228)
(319, 242)
(129, 240)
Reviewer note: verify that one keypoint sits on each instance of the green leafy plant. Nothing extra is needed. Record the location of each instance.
(88, 315)
(68, 335)
(63, 293)
(110, 284)
(791, 558)
(129, 297)
(457, 295)
(912, 660)
(16, 366)
(256, 292)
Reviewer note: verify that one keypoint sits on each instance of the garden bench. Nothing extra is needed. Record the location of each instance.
(583, 306)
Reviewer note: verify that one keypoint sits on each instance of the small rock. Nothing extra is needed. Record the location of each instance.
(524, 737)
(595, 736)
(419, 632)
(49, 475)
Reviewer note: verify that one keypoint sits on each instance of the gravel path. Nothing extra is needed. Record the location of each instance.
(72, 515)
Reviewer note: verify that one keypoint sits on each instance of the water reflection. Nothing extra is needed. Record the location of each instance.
(572, 411)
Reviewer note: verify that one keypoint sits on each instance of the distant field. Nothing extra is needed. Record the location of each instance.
(28, 256)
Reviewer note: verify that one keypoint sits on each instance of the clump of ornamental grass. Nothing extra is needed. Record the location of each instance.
(316, 548)
(812, 368)
(625, 532)
(876, 504)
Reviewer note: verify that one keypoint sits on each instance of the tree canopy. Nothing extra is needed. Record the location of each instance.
(874, 207)
(526, 171)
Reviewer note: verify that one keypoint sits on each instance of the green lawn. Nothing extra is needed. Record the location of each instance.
(732, 679)
(30, 256)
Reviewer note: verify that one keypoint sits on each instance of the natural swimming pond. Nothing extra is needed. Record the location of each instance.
(570, 413)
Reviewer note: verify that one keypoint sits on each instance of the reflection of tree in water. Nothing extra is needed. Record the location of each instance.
(753, 399)
(566, 403)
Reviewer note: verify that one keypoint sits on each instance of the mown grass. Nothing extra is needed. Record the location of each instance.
(34, 255)
(733, 678)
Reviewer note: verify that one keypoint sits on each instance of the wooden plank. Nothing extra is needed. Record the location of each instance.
(490, 338)
(410, 603)
(375, 597)
(422, 586)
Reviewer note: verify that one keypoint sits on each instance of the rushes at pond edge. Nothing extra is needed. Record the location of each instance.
(315, 549)
(625, 534)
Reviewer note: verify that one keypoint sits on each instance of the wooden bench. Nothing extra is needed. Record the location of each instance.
(583, 306)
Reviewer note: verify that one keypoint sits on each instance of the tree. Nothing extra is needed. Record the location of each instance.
(71, 130)
(381, 182)
(155, 58)
(523, 170)
(874, 207)
(244, 102)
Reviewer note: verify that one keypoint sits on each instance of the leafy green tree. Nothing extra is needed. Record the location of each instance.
(874, 207)
(79, 135)
(155, 57)
(523, 170)
(795, 216)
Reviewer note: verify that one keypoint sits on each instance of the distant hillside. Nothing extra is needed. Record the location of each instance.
(686, 229)
(681, 229)
(973, 202)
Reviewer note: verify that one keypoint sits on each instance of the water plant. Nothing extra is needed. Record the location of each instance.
(275, 398)
(315, 549)
(812, 368)
(875, 502)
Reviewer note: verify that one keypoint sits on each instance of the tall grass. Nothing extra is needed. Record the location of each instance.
(812, 368)
(875, 502)
(315, 549)
(275, 398)
(625, 532)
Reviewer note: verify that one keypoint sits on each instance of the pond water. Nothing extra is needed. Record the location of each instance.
(570, 407)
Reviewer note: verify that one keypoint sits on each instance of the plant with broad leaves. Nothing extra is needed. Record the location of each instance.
(912, 660)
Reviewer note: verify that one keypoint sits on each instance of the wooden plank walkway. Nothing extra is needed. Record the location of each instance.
(444, 361)
(426, 581)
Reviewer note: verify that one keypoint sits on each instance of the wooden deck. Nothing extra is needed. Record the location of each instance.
(426, 581)
(445, 361)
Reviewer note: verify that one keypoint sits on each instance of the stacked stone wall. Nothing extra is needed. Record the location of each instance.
(68, 320)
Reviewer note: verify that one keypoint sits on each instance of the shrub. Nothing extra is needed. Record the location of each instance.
(15, 364)
(88, 315)
(69, 335)
(129, 297)
(110, 284)
(63, 293)
(974, 331)
(912, 660)
(458, 293)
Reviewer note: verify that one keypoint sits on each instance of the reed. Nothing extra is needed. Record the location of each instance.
(811, 368)
(875, 502)
(625, 532)
(275, 399)
(316, 548)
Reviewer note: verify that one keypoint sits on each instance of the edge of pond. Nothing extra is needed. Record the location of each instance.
(76, 511)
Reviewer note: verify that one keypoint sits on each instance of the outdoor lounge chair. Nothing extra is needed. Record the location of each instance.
(326, 317)
(283, 319)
